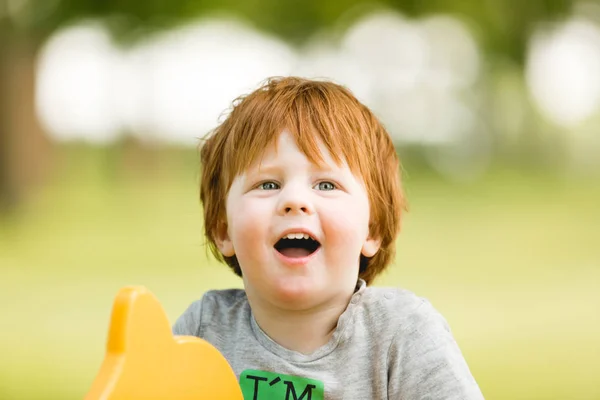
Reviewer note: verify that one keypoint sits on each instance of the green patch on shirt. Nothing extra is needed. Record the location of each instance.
(262, 385)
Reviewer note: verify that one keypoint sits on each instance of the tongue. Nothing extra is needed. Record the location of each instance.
(295, 252)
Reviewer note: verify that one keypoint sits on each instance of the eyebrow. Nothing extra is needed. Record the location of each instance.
(271, 168)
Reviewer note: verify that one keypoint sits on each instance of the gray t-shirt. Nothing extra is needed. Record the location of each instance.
(388, 344)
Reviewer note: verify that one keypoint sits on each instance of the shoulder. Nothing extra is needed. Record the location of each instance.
(405, 319)
(224, 300)
(400, 308)
(214, 305)
(423, 356)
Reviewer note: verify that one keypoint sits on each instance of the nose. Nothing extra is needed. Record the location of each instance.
(295, 200)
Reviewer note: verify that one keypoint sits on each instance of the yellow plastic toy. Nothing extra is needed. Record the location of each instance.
(145, 361)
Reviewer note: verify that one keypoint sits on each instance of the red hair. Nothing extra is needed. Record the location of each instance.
(313, 112)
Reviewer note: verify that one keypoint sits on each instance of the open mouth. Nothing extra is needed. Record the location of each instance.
(297, 245)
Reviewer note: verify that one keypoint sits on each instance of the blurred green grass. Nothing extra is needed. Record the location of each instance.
(512, 261)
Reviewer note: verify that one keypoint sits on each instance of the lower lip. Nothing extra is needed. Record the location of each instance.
(296, 261)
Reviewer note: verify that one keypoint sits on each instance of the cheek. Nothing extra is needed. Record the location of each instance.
(348, 224)
(248, 227)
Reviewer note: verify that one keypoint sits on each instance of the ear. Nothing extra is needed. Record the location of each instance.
(370, 247)
(223, 240)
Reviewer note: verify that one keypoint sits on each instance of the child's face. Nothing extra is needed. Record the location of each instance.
(284, 194)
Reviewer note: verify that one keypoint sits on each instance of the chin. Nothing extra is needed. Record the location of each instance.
(296, 291)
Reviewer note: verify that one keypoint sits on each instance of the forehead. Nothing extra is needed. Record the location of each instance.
(287, 144)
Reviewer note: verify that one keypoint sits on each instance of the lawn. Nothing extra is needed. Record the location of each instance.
(512, 261)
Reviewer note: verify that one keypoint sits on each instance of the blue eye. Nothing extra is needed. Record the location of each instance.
(270, 185)
(325, 186)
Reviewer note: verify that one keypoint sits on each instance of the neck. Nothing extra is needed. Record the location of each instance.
(303, 331)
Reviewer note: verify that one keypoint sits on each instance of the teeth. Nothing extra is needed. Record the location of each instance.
(297, 236)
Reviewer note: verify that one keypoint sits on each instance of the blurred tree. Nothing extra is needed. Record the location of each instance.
(502, 28)
(22, 142)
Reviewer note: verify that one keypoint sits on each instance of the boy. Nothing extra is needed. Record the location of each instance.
(302, 199)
